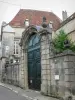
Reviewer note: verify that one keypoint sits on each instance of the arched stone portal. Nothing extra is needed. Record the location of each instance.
(33, 55)
(30, 77)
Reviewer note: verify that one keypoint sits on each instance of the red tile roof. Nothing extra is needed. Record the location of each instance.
(35, 18)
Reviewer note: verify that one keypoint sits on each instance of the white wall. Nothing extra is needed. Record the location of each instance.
(18, 32)
(18, 35)
(7, 40)
(70, 26)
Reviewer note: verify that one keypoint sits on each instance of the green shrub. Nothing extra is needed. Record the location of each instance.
(58, 42)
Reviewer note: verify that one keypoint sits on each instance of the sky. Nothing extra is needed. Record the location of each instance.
(9, 8)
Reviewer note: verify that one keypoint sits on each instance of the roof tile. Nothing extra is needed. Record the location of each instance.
(35, 18)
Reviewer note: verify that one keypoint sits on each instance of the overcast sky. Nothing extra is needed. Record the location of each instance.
(8, 11)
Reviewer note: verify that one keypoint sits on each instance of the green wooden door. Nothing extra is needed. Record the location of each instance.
(34, 66)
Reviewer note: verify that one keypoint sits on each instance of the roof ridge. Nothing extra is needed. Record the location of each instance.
(37, 10)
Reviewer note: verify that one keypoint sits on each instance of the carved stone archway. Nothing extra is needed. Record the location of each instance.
(46, 37)
(24, 63)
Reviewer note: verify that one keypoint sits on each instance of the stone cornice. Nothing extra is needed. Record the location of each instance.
(64, 53)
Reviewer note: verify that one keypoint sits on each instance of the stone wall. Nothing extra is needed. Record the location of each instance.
(21, 69)
(45, 63)
(62, 65)
(2, 67)
(57, 72)
(0, 70)
(23, 73)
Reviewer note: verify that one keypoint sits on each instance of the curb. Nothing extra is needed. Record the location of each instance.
(18, 92)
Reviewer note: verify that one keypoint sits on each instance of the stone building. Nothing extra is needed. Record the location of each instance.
(11, 33)
(7, 43)
(68, 26)
(7, 38)
(35, 18)
(27, 17)
(40, 69)
(35, 50)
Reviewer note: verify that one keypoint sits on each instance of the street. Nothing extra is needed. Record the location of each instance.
(6, 94)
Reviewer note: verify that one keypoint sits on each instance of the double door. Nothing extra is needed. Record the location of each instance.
(34, 69)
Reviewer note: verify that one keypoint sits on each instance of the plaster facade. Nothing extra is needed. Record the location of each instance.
(69, 27)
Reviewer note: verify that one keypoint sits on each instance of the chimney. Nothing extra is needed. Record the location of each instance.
(26, 22)
(64, 15)
(51, 24)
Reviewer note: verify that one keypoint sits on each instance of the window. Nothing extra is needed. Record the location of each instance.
(16, 46)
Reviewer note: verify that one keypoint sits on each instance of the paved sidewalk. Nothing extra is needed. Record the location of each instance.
(29, 94)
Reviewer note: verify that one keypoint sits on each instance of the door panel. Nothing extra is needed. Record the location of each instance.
(31, 75)
(38, 75)
(34, 66)
(34, 69)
